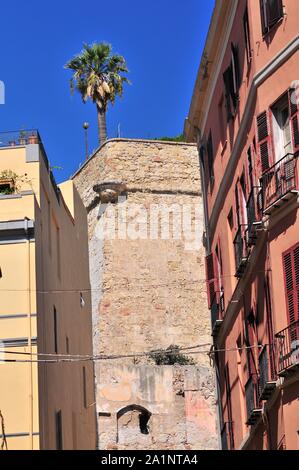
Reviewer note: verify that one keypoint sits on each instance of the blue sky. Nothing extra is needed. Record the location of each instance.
(162, 41)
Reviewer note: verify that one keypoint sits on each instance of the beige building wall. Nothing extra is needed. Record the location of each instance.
(148, 293)
(42, 228)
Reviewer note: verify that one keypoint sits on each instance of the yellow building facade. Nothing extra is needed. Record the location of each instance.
(45, 308)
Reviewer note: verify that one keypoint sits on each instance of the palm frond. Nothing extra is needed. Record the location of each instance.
(98, 74)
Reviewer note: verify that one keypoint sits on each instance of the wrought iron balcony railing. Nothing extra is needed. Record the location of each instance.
(253, 410)
(267, 375)
(241, 250)
(287, 349)
(279, 183)
(254, 213)
(227, 436)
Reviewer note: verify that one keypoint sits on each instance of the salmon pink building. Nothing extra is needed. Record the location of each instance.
(244, 117)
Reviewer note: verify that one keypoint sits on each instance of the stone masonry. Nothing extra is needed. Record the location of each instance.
(148, 293)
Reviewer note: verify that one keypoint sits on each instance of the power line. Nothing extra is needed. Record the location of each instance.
(71, 359)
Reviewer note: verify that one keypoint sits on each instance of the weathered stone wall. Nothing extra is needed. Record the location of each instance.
(148, 293)
(180, 400)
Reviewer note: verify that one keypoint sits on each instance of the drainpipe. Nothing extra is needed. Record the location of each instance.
(29, 336)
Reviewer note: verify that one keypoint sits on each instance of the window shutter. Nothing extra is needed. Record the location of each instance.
(274, 12)
(212, 277)
(291, 277)
(210, 153)
(294, 118)
(236, 72)
(271, 13)
(228, 86)
(247, 36)
(264, 141)
(250, 337)
(263, 16)
(249, 170)
(237, 202)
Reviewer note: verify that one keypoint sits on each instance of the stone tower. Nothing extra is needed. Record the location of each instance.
(143, 200)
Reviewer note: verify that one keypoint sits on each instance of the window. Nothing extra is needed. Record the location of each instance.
(229, 408)
(250, 342)
(58, 425)
(219, 269)
(67, 344)
(291, 278)
(55, 331)
(271, 13)
(243, 199)
(236, 73)
(221, 121)
(264, 142)
(232, 82)
(84, 388)
(294, 118)
(230, 219)
(237, 203)
(281, 128)
(250, 168)
(285, 120)
(247, 36)
(58, 255)
(212, 277)
(210, 154)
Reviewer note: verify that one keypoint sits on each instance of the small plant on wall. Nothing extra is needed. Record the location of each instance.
(10, 182)
(170, 357)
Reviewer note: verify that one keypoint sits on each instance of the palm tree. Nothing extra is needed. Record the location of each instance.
(98, 76)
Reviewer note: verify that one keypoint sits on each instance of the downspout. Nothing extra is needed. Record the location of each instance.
(29, 336)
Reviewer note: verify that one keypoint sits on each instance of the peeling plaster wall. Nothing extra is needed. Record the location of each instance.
(181, 418)
(148, 294)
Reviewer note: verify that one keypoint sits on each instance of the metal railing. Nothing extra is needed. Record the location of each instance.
(254, 210)
(19, 138)
(279, 179)
(241, 249)
(227, 436)
(287, 347)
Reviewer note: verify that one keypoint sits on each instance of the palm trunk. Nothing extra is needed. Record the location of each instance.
(102, 125)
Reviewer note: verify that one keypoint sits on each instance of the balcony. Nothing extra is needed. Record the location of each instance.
(253, 411)
(19, 138)
(267, 382)
(217, 307)
(280, 183)
(254, 214)
(241, 250)
(287, 347)
(227, 436)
